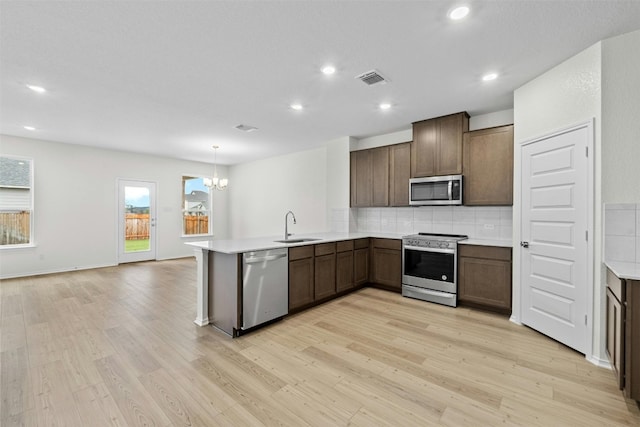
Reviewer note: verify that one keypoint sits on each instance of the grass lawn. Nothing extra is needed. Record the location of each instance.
(136, 245)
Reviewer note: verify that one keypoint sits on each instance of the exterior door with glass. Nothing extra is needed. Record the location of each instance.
(136, 221)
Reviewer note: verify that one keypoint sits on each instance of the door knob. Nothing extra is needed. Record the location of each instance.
(524, 244)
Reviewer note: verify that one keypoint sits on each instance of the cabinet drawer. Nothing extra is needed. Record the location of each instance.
(344, 246)
(325, 249)
(489, 252)
(360, 243)
(616, 285)
(300, 252)
(387, 243)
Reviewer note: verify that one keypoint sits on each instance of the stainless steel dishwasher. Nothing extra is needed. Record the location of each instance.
(265, 286)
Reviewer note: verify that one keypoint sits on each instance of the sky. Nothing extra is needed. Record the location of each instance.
(136, 196)
(139, 196)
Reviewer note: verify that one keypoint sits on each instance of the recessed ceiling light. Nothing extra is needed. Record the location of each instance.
(384, 106)
(459, 13)
(29, 127)
(296, 107)
(328, 70)
(38, 89)
(489, 77)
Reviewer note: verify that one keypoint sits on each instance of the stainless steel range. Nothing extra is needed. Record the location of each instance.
(430, 267)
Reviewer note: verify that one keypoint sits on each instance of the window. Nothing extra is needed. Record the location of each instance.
(196, 206)
(16, 201)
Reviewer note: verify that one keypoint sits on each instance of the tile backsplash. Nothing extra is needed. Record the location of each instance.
(622, 232)
(484, 222)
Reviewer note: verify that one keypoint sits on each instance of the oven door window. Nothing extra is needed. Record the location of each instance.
(429, 265)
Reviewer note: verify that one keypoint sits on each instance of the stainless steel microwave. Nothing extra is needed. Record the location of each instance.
(436, 190)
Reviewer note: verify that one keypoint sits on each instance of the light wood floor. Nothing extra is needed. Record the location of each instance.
(117, 346)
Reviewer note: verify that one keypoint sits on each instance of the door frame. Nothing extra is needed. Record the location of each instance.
(120, 231)
(590, 206)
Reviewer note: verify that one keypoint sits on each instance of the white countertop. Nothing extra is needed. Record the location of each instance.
(487, 242)
(624, 270)
(236, 246)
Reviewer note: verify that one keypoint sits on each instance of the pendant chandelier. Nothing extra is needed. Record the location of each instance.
(216, 183)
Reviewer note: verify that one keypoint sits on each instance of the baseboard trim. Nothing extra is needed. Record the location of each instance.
(515, 320)
(602, 363)
(55, 271)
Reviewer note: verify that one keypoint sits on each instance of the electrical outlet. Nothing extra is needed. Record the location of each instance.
(489, 226)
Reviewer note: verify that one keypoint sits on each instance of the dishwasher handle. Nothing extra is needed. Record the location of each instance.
(256, 259)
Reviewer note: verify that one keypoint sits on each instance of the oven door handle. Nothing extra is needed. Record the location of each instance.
(421, 249)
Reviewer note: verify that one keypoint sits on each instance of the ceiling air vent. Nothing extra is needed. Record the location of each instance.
(372, 77)
(246, 128)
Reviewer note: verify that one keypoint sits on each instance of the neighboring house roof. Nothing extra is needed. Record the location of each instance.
(197, 200)
(14, 173)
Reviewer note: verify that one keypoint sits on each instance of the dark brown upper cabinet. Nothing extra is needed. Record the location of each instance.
(488, 166)
(399, 174)
(436, 148)
(380, 176)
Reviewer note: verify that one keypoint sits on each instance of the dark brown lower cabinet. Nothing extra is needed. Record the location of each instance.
(344, 271)
(615, 336)
(361, 262)
(325, 270)
(623, 332)
(386, 263)
(300, 282)
(484, 277)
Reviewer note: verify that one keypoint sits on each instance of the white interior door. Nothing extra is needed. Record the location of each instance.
(137, 221)
(555, 203)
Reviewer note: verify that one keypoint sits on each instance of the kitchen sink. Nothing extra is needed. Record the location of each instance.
(296, 240)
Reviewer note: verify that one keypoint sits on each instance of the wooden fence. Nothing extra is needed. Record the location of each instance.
(196, 224)
(14, 228)
(136, 226)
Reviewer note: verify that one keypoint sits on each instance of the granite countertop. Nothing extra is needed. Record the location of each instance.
(624, 270)
(235, 246)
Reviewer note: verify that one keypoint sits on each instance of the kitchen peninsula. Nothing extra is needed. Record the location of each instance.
(222, 271)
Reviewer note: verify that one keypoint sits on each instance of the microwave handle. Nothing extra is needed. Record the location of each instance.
(449, 190)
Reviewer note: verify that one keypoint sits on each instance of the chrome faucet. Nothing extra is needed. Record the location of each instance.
(286, 224)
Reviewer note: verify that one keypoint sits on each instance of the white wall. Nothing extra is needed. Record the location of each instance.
(566, 95)
(76, 205)
(261, 192)
(620, 115)
(338, 184)
(489, 120)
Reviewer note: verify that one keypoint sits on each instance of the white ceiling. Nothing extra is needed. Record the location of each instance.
(174, 77)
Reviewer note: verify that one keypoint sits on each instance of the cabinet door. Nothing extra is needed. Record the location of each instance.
(449, 144)
(615, 336)
(399, 174)
(380, 176)
(387, 267)
(344, 271)
(361, 266)
(325, 276)
(361, 178)
(423, 148)
(488, 166)
(485, 282)
(300, 282)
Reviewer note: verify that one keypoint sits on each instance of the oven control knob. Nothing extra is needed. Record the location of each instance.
(444, 277)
